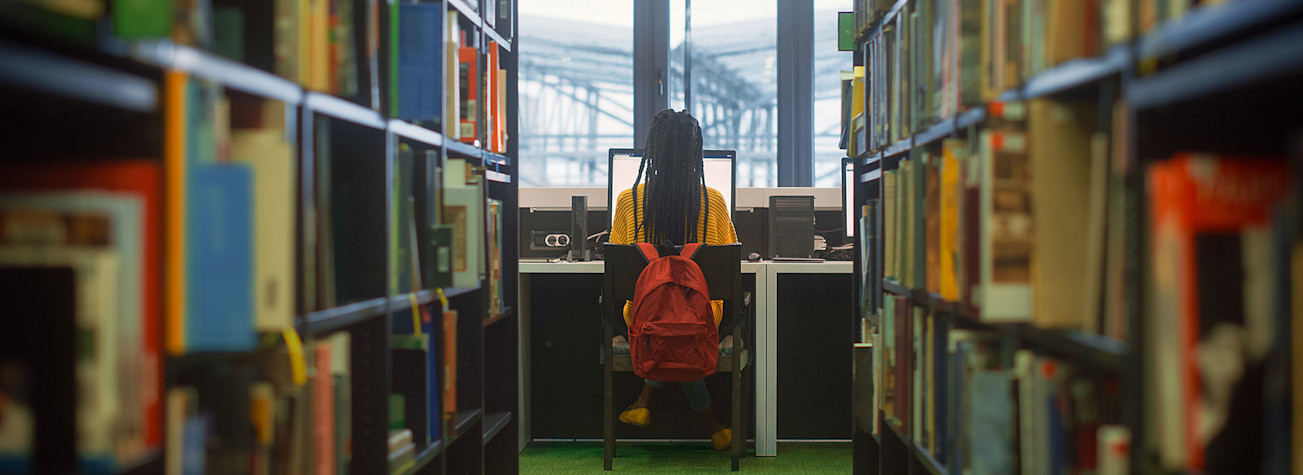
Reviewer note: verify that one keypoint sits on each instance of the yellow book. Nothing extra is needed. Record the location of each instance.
(890, 181)
(951, 149)
(906, 238)
(1059, 144)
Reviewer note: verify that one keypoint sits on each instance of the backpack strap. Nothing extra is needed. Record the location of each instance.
(648, 251)
(690, 250)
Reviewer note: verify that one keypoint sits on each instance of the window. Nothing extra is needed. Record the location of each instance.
(576, 89)
(734, 89)
(828, 63)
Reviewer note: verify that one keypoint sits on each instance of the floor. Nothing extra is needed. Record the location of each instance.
(681, 457)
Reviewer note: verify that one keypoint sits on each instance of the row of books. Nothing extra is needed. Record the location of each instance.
(298, 421)
(334, 46)
(423, 51)
(935, 58)
(977, 405)
(1222, 325)
(1014, 223)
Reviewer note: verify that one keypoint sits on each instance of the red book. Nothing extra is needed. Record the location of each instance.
(468, 64)
(323, 409)
(145, 179)
(1210, 243)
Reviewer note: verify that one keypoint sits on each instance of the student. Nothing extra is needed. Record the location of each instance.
(674, 204)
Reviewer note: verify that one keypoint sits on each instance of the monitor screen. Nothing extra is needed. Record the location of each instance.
(718, 167)
(848, 196)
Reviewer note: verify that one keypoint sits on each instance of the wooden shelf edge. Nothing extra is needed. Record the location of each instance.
(463, 421)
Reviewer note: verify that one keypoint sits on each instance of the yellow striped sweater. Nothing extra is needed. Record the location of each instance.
(719, 231)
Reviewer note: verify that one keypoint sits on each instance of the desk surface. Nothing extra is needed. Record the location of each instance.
(540, 266)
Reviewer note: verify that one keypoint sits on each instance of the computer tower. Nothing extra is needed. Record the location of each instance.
(579, 228)
(791, 226)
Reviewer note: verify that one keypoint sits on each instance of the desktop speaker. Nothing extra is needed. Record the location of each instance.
(579, 228)
(791, 226)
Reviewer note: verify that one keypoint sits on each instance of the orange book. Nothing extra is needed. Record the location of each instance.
(450, 370)
(495, 118)
(323, 409)
(468, 76)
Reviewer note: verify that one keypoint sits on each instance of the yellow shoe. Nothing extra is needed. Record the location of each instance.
(636, 417)
(722, 439)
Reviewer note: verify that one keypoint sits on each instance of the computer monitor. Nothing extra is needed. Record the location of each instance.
(848, 196)
(720, 167)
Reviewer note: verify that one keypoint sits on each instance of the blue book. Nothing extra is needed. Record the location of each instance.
(219, 255)
(991, 430)
(420, 61)
(194, 442)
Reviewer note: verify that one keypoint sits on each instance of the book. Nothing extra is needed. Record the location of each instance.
(452, 76)
(1210, 213)
(142, 180)
(323, 405)
(496, 296)
(918, 215)
(420, 58)
(932, 224)
(1058, 147)
(449, 370)
(48, 222)
(142, 19)
(1007, 228)
(468, 84)
(907, 216)
(464, 209)
(273, 164)
(219, 310)
(890, 182)
(990, 427)
(948, 222)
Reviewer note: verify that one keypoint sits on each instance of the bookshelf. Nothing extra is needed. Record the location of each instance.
(1150, 89)
(345, 183)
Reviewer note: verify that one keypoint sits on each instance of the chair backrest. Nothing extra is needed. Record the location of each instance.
(721, 264)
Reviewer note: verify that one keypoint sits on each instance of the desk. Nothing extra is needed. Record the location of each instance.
(766, 305)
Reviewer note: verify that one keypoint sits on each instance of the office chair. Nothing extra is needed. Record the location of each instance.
(721, 266)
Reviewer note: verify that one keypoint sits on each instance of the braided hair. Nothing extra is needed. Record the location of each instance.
(675, 181)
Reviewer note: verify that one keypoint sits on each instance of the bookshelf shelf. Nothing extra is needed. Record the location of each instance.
(493, 35)
(404, 301)
(467, 12)
(497, 158)
(871, 175)
(1075, 73)
(1270, 57)
(494, 422)
(506, 313)
(1213, 24)
(338, 318)
(342, 109)
(895, 289)
(210, 66)
(1095, 351)
(930, 464)
(37, 70)
(463, 149)
(415, 132)
(463, 421)
(451, 292)
(870, 158)
(497, 176)
(150, 462)
(970, 118)
(422, 459)
(934, 133)
(898, 148)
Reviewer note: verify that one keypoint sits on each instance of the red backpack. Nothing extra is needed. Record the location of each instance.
(672, 334)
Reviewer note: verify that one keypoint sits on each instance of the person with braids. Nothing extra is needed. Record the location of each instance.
(670, 202)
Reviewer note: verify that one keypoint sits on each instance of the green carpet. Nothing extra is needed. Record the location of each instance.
(682, 457)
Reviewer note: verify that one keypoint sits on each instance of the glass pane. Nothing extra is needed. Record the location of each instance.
(576, 89)
(828, 62)
(734, 80)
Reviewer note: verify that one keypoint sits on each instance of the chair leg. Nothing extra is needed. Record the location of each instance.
(739, 432)
(608, 417)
